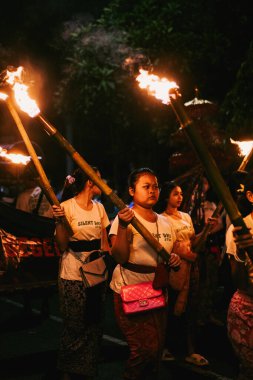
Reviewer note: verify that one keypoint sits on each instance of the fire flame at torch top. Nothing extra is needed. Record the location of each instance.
(25, 103)
(154, 86)
(16, 158)
(23, 100)
(246, 149)
(30, 107)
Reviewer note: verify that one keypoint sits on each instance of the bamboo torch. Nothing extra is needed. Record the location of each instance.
(247, 156)
(198, 246)
(211, 168)
(118, 202)
(34, 111)
(45, 184)
(168, 93)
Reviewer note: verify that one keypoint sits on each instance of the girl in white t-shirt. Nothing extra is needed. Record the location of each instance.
(82, 308)
(137, 260)
(183, 303)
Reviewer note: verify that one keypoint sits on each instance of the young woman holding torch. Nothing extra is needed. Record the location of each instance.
(137, 262)
(184, 296)
(82, 308)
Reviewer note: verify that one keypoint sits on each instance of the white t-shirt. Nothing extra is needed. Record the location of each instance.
(28, 200)
(140, 251)
(230, 243)
(86, 225)
(183, 226)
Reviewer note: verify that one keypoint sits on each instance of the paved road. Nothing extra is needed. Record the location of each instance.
(28, 346)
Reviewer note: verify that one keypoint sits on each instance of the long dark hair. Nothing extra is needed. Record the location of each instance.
(165, 192)
(75, 183)
(244, 205)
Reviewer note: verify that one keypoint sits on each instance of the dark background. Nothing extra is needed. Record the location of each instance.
(76, 76)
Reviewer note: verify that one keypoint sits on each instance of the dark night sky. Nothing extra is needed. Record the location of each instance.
(27, 30)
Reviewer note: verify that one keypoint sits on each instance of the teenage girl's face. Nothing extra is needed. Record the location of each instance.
(176, 197)
(146, 191)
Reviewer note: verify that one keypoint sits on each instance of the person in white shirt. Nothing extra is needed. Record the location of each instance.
(137, 261)
(82, 307)
(183, 304)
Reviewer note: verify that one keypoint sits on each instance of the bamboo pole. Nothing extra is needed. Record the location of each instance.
(45, 184)
(211, 169)
(199, 245)
(80, 161)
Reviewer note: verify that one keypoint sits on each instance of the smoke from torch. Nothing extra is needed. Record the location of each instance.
(134, 63)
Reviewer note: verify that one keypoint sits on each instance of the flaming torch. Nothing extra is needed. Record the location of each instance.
(16, 158)
(45, 184)
(246, 149)
(168, 93)
(79, 160)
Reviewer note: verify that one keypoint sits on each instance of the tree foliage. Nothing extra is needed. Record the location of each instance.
(195, 43)
(115, 125)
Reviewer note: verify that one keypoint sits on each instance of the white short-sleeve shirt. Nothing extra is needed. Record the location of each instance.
(140, 251)
(230, 243)
(86, 225)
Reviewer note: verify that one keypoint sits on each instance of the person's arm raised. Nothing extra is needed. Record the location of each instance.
(120, 244)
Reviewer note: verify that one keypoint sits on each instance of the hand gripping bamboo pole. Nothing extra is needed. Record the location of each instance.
(45, 184)
(211, 169)
(80, 161)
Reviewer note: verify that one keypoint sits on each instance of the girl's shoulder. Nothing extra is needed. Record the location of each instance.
(100, 207)
(185, 216)
(163, 219)
(68, 202)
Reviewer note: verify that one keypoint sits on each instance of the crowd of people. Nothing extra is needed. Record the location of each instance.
(191, 290)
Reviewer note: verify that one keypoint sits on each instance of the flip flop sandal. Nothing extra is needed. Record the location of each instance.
(197, 359)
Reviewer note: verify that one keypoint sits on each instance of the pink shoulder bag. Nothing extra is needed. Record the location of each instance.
(141, 297)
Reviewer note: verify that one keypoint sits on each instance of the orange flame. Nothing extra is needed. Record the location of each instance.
(3, 96)
(15, 158)
(244, 146)
(26, 104)
(158, 87)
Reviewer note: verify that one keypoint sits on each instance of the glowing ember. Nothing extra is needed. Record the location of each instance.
(15, 158)
(3, 96)
(244, 146)
(26, 104)
(158, 87)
